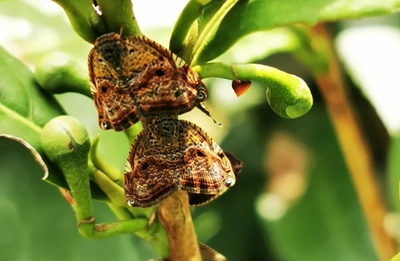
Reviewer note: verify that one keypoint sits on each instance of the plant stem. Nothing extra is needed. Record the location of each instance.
(83, 18)
(288, 95)
(356, 152)
(174, 214)
(118, 16)
(112, 172)
(192, 11)
(208, 31)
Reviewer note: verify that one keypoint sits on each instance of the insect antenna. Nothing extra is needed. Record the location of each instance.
(203, 108)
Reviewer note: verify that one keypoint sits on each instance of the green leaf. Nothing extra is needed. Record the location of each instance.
(201, 31)
(57, 73)
(13, 231)
(34, 153)
(182, 26)
(325, 223)
(32, 212)
(258, 15)
(394, 172)
(396, 257)
(24, 107)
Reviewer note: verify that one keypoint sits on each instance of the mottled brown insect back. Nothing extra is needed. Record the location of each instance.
(200, 199)
(133, 77)
(170, 155)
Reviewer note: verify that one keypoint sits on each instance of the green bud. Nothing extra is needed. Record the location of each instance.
(65, 141)
(58, 73)
(64, 136)
(287, 94)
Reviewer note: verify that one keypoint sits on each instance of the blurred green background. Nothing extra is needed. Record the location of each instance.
(294, 199)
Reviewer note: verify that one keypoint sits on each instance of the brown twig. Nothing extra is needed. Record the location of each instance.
(174, 214)
(355, 149)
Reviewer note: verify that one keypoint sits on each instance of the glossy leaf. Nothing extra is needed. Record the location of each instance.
(326, 223)
(34, 153)
(25, 108)
(394, 172)
(182, 26)
(396, 258)
(37, 223)
(257, 15)
(202, 31)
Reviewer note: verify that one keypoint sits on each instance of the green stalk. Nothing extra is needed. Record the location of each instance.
(287, 94)
(209, 31)
(112, 172)
(190, 13)
(65, 142)
(83, 18)
(116, 16)
(119, 17)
